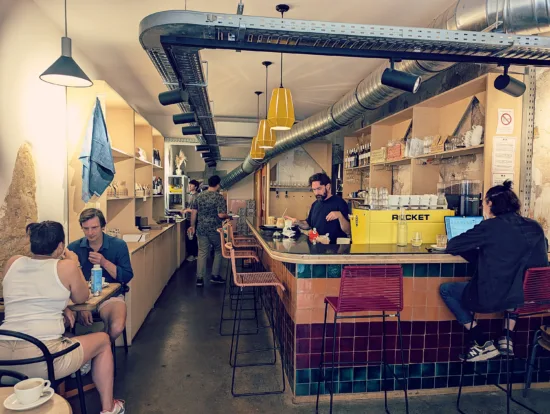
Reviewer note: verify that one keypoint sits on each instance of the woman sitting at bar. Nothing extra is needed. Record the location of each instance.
(504, 246)
(36, 294)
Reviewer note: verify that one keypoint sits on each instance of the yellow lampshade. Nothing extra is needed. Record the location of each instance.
(256, 153)
(281, 110)
(266, 135)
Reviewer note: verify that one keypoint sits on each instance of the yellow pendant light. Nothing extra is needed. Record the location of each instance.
(280, 115)
(257, 153)
(266, 135)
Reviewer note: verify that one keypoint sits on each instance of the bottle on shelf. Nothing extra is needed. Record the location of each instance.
(356, 157)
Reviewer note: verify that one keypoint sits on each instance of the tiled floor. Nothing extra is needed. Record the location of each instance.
(178, 364)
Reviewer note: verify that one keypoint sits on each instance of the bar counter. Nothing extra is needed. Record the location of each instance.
(432, 338)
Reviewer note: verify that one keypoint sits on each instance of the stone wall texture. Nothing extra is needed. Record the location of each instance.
(19, 207)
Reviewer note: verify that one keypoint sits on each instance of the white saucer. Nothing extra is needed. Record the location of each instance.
(436, 247)
(11, 402)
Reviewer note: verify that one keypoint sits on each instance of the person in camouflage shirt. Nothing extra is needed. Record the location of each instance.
(208, 210)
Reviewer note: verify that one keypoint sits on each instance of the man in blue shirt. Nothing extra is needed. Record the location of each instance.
(113, 257)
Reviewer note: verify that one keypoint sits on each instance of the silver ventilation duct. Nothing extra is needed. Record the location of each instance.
(514, 16)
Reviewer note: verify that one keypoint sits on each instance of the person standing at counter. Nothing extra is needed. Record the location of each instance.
(191, 245)
(329, 214)
(504, 246)
(209, 209)
(112, 255)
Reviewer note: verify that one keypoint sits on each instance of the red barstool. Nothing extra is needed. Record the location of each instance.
(239, 254)
(366, 289)
(256, 280)
(240, 242)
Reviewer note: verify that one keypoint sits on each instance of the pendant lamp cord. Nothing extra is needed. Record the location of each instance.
(282, 17)
(266, 76)
(66, 19)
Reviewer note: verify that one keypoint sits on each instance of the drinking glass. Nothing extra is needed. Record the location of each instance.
(417, 239)
(441, 240)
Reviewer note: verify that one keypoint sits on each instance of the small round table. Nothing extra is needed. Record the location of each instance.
(56, 405)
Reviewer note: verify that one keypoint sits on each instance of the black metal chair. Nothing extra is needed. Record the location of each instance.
(46, 357)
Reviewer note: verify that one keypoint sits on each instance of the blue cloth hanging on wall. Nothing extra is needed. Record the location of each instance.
(98, 167)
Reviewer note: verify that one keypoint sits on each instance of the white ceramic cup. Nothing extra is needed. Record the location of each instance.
(394, 200)
(415, 201)
(425, 200)
(30, 390)
(433, 200)
(404, 200)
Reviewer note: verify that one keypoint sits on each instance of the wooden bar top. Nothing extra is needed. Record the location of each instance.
(301, 251)
(153, 234)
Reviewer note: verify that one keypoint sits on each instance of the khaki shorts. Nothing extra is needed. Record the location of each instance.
(63, 366)
(113, 299)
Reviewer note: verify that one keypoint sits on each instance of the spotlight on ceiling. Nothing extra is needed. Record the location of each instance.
(206, 155)
(202, 148)
(240, 7)
(186, 118)
(400, 80)
(509, 85)
(191, 130)
(175, 96)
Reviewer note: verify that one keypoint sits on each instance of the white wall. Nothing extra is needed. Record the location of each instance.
(32, 110)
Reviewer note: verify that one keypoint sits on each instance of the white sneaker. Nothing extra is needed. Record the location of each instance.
(191, 258)
(118, 408)
(86, 368)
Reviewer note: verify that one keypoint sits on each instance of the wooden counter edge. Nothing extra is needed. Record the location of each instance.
(135, 246)
(354, 258)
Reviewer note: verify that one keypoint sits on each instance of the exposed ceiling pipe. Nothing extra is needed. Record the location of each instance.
(513, 16)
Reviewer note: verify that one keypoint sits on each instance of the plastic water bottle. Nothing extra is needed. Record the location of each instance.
(97, 282)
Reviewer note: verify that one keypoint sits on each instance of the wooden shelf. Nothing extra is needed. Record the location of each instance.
(156, 167)
(357, 168)
(142, 163)
(402, 161)
(142, 197)
(119, 154)
(158, 195)
(119, 198)
(453, 153)
(363, 131)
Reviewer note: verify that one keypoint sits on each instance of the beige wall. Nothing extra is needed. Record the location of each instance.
(540, 198)
(31, 110)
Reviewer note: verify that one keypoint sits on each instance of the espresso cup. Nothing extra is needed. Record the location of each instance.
(30, 390)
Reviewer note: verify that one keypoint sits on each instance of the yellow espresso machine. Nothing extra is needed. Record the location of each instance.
(380, 226)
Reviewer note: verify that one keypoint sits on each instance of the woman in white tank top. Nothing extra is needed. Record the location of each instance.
(37, 290)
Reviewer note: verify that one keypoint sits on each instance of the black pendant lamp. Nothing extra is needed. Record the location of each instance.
(65, 71)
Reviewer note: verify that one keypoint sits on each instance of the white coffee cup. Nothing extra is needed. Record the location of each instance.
(404, 200)
(30, 390)
(394, 200)
(425, 201)
(415, 201)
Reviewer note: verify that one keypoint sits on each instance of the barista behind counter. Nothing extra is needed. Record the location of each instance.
(329, 214)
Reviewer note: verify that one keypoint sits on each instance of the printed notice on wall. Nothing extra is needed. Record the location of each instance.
(505, 123)
(499, 178)
(504, 155)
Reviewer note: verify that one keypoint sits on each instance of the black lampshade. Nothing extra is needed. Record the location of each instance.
(191, 130)
(65, 71)
(206, 155)
(187, 118)
(175, 96)
(202, 148)
(401, 80)
(510, 86)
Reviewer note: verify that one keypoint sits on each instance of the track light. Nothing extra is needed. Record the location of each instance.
(191, 130)
(400, 80)
(206, 155)
(175, 96)
(202, 148)
(509, 85)
(211, 164)
(186, 118)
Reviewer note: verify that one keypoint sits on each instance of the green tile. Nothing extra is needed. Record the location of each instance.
(373, 386)
(314, 374)
(461, 270)
(415, 370)
(319, 271)
(428, 383)
(360, 386)
(434, 269)
(421, 270)
(440, 382)
(302, 390)
(374, 373)
(447, 270)
(304, 271)
(360, 373)
(428, 370)
(334, 271)
(408, 270)
(441, 369)
(303, 376)
(346, 374)
(345, 387)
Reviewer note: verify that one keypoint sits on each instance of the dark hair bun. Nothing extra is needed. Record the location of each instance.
(507, 185)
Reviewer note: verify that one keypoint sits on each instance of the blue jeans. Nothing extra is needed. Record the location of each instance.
(451, 293)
